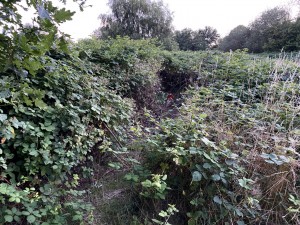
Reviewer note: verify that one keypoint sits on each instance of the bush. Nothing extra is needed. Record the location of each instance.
(52, 123)
(130, 66)
(232, 155)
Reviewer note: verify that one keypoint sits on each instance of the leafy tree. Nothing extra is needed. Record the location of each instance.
(210, 36)
(236, 39)
(184, 39)
(136, 19)
(196, 40)
(260, 29)
(284, 37)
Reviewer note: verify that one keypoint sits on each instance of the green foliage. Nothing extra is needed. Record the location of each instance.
(272, 31)
(55, 116)
(130, 67)
(137, 19)
(51, 124)
(231, 155)
(188, 39)
(199, 173)
(236, 39)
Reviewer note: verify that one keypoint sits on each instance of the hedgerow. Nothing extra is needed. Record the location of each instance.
(130, 66)
(55, 116)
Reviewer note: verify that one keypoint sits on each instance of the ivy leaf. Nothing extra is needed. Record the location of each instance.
(63, 15)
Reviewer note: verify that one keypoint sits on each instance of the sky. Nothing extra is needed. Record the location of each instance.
(224, 15)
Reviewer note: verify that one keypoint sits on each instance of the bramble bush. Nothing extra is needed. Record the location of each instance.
(55, 116)
(231, 157)
(130, 66)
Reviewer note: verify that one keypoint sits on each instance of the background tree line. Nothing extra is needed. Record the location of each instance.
(141, 19)
(273, 30)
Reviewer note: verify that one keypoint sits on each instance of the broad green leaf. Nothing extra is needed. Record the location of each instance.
(30, 219)
(244, 182)
(8, 218)
(238, 212)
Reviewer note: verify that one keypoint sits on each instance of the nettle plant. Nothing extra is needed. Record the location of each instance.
(54, 116)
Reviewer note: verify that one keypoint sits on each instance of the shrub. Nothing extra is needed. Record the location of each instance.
(131, 68)
(232, 155)
(52, 123)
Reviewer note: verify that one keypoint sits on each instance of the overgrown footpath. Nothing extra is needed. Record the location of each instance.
(83, 139)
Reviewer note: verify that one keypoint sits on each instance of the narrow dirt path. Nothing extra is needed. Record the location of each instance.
(108, 192)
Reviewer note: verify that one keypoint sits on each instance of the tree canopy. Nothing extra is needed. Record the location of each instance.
(273, 30)
(201, 39)
(236, 39)
(136, 19)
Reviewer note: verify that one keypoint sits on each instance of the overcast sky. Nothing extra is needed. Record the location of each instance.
(223, 15)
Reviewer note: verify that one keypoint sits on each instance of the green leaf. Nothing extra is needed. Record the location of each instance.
(3, 117)
(238, 212)
(30, 219)
(240, 222)
(218, 200)
(77, 217)
(163, 214)
(244, 182)
(193, 150)
(40, 103)
(63, 15)
(197, 176)
(157, 221)
(216, 177)
(8, 218)
(206, 166)
(115, 165)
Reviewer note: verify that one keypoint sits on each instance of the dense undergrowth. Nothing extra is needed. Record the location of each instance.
(230, 155)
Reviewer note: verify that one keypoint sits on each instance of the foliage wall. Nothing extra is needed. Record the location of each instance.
(55, 116)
